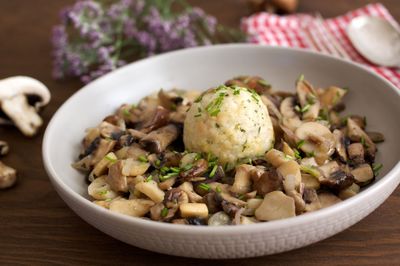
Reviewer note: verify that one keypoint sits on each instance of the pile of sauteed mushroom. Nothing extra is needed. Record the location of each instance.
(136, 162)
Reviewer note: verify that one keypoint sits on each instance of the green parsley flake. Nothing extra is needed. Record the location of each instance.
(214, 107)
(111, 158)
(310, 170)
(300, 143)
(187, 167)
(143, 159)
(164, 212)
(213, 171)
(149, 178)
(376, 167)
(204, 186)
(218, 189)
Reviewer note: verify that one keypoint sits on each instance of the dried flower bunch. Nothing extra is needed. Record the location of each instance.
(96, 37)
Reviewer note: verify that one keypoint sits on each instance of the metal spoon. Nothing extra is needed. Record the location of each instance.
(376, 39)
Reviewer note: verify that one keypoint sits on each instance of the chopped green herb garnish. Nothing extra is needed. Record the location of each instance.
(126, 112)
(143, 159)
(310, 170)
(164, 212)
(108, 200)
(175, 169)
(217, 125)
(297, 154)
(305, 108)
(199, 109)
(167, 176)
(297, 109)
(262, 82)
(157, 163)
(149, 178)
(103, 192)
(376, 167)
(241, 197)
(111, 158)
(198, 99)
(289, 157)
(218, 189)
(214, 169)
(311, 98)
(363, 142)
(197, 115)
(300, 143)
(310, 154)
(204, 186)
(214, 107)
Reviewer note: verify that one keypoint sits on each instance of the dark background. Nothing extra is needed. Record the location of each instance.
(36, 227)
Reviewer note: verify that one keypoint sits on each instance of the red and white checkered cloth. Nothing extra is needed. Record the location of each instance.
(290, 31)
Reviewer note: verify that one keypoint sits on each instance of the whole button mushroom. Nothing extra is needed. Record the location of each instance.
(21, 98)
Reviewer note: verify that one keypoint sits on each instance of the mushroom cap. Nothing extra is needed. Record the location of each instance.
(9, 87)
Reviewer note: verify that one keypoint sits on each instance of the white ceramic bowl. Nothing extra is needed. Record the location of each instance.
(201, 68)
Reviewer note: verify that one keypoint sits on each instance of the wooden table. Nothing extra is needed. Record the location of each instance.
(36, 227)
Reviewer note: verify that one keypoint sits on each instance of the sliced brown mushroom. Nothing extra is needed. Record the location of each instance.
(289, 116)
(286, 149)
(376, 137)
(308, 99)
(290, 169)
(108, 130)
(272, 109)
(276, 158)
(318, 140)
(169, 99)
(134, 207)
(309, 181)
(311, 199)
(331, 96)
(179, 115)
(199, 168)
(104, 147)
(219, 218)
(158, 140)
(328, 199)
(151, 190)
(213, 202)
(363, 174)
(188, 188)
(267, 182)
(242, 183)
(99, 189)
(101, 167)
(340, 145)
(134, 152)
(158, 119)
(356, 153)
(116, 179)
(252, 205)
(276, 205)
(349, 192)
(356, 134)
(359, 120)
(8, 176)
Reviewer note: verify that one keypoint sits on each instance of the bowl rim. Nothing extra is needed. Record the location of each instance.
(227, 229)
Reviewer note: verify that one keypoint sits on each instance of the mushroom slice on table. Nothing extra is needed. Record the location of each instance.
(21, 99)
(8, 176)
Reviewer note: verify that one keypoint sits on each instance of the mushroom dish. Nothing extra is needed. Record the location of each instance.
(239, 153)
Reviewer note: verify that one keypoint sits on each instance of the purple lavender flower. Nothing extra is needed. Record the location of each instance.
(95, 37)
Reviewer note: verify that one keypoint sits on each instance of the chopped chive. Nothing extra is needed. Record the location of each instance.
(143, 159)
(305, 108)
(173, 107)
(197, 115)
(218, 189)
(263, 82)
(111, 158)
(126, 112)
(289, 157)
(167, 176)
(212, 173)
(310, 170)
(108, 200)
(300, 143)
(157, 162)
(297, 109)
(311, 98)
(297, 154)
(376, 167)
(240, 196)
(310, 154)
(103, 192)
(198, 99)
(175, 169)
(164, 212)
(149, 178)
(204, 186)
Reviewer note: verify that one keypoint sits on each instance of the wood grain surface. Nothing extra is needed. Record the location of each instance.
(37, 228)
